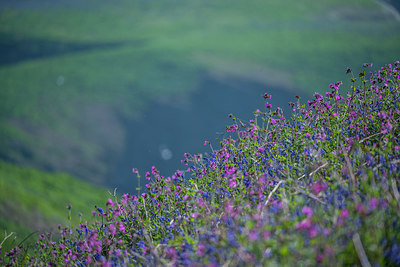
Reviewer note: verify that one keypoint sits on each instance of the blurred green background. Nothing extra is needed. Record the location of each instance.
(94, 88)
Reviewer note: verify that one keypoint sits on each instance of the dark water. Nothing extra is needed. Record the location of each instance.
(170, 128)
(16, 49)
(43, 4)
(395, 4)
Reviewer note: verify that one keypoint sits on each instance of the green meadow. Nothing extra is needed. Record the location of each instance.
(33, 201)
(73, 72)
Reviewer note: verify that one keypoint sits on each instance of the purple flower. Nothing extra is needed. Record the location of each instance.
(100, 210)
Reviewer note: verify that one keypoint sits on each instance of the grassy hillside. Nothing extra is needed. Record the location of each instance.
(33, 201)
(71, 73)
(319, 189)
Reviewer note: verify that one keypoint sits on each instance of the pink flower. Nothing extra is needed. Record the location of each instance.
(266, 234)
(327, 231)
(304, 224)
(360, 209)
(273, 121)
(253, 235)
(201, 202)
(320, 257)
(112, 229)
(121, 227)
(308, 211)
(148, 175)
(110, 202)
(344, 214)
(312, 232)
(319, 187)
(373, 203)
(200, 249)
(171, 253)
(232, 183)
(232, 128)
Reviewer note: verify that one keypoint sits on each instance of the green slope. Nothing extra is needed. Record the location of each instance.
(32, 200)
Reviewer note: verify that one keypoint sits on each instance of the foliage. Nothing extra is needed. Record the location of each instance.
(320, 188)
